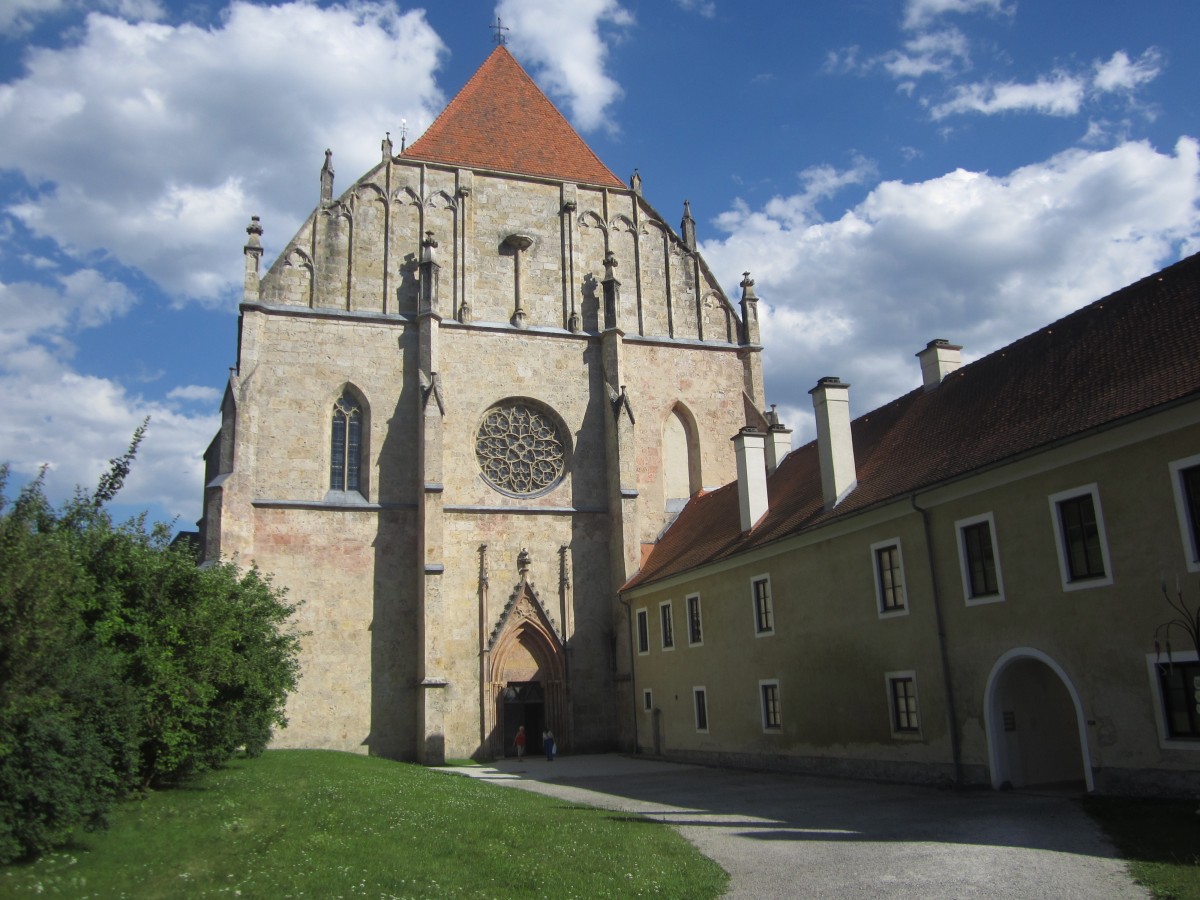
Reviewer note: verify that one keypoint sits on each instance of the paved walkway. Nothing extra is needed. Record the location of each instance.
(807, 837)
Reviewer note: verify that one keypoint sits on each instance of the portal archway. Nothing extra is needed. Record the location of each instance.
(527, 676)
(1036, 731)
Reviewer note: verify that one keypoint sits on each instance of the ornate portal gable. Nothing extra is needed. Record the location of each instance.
(525, 609)
(525, 667)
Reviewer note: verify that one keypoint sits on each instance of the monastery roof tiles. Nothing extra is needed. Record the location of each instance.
(1126, 354)
(502, 121)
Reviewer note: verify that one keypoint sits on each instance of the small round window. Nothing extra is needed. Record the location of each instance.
(521, 449)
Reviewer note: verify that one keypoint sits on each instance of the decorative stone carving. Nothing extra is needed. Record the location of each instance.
(519, 449)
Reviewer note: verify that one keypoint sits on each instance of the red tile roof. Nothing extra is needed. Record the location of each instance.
(1133, 351)
(502, 121)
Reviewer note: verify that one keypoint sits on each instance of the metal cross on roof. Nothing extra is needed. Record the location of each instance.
(499, 29)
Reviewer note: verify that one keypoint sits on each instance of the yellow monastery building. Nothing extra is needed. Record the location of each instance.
(965, 585)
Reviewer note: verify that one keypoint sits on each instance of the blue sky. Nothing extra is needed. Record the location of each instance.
(889, 172)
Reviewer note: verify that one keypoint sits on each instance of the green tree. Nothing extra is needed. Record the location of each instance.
(68, 723)
(123, 665)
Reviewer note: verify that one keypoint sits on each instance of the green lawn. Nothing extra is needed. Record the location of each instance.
(320, 824)
(1159, 838)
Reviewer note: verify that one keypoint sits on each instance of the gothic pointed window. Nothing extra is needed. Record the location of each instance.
(680, 458)
(346, 444)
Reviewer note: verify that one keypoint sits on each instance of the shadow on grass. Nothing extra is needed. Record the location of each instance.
(1151, 830)
(634, 820)
(1159, 839)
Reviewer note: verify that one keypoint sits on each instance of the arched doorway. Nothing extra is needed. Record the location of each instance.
(1035, 726)
(527, 677)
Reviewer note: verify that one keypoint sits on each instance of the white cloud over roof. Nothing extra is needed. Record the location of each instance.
(980, 259)
(161, 159)
(565, 44)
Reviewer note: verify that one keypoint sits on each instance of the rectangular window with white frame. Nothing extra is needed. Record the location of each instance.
(647, 699)
(1185, 481)
(902, 703)
(888, 565)
(1175, 688)
(643, 632)
(668, 626)
(1080, 538)
(764, 610)
(979, 560)
(695, 626)
(772, 710)
(700, 698)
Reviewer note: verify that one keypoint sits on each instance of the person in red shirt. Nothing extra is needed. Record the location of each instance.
(519, 742)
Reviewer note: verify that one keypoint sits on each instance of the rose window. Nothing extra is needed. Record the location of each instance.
(520, 449)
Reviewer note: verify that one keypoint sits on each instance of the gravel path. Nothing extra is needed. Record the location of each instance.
(800, 836)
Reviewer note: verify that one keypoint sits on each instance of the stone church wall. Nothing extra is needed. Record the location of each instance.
(338, 312)
(352, 571)
(360, 253)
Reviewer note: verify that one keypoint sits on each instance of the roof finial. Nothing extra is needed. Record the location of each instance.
(403, 133)
(327, 179)
(499, 29)
(688, 226)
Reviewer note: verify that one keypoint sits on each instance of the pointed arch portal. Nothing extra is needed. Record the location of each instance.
(527, 678)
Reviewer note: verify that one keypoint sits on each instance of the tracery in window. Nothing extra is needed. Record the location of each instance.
(345, 444)
(520, 449)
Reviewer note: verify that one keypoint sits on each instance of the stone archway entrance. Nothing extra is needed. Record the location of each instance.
(1035, 726)
(523, 706)
(527, 678)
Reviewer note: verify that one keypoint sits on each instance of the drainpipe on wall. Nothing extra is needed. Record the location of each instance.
(632, 671)
(951, 713)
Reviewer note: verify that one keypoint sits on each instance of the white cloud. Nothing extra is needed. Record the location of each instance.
(919, 13)
(706, 8)
(935, 49)
(1059, 94)
(1120, 73)
(562, 40)
(932, 53)
(195, 393)
(18, 16)
(83, 299)
(75, 423)
(159, 161)
(818, 183)
(976, 258)
(844, 60)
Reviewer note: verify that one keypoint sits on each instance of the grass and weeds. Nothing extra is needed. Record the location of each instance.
(1160, 839)
(323, 824)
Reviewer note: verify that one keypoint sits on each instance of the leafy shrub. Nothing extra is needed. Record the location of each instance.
(123, 665)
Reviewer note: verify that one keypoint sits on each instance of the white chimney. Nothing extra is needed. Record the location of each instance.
(831, 403)
(779, 440)
(751, 475)
(938, 359)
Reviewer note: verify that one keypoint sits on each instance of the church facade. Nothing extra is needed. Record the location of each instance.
(468, 391)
